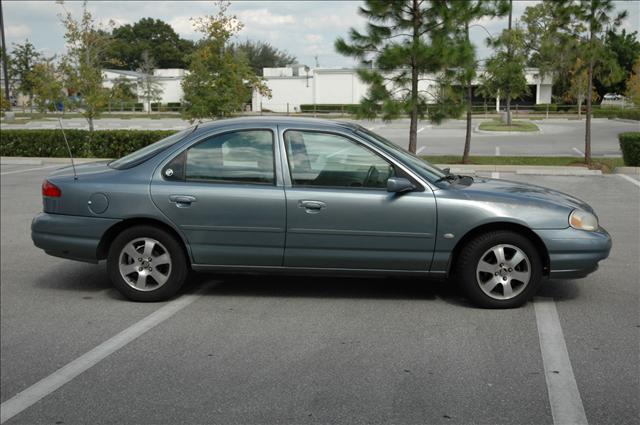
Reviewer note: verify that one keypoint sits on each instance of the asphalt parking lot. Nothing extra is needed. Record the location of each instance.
(256, 350)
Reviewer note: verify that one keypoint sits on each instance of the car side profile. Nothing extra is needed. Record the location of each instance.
(310, 197)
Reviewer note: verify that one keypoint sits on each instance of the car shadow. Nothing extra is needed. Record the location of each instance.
(80, 278)
(560, 290)
(327, 287)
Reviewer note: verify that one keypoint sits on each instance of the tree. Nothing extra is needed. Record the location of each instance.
(122, 90)
(23, 57)
(150, 88)
(152, 35)
(595, 15)
(462, 15)
(218, 81)
(404, 43)
(625, 49)
(633, 83)
(579, 84)
(550, 40)
(47, 85)
(87, 43)
(504, 74)
(261, 55)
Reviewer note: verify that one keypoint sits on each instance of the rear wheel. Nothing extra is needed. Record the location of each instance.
(500, 269)
(146, 264)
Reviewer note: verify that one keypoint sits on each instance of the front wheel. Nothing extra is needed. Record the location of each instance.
(146, 264)
(499, 269)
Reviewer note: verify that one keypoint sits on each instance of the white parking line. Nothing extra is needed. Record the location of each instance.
(46, 386)
(497, 150)
(564, 397)
(420, 129)
(578, 151)
(420, 149)
(32, 169)
(495, 175)
(630, 179)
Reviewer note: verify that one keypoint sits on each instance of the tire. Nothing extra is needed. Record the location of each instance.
(486, 283)
(139, 279)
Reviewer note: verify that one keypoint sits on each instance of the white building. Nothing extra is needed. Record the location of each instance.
(292, 87)
(169, 79)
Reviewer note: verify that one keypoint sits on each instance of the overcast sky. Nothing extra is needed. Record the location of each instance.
(303, 28)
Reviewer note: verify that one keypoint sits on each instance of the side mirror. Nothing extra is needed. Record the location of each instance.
(399, 185)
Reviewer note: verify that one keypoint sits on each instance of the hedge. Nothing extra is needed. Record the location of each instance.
(630, 114)
(84, 144)
(630, 146)
(347, 108)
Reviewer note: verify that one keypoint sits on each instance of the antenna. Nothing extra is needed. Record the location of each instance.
(73, 165)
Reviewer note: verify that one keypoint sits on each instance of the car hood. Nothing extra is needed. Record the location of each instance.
(522, 192)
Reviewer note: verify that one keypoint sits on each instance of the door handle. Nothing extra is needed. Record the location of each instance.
(182, 201)
(312, 206)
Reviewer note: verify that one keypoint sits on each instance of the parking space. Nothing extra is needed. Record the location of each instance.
(256, 349)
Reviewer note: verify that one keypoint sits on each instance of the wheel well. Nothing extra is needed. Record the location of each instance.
(517, 228)
(115, 230)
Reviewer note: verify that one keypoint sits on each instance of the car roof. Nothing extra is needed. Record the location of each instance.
(252, 121)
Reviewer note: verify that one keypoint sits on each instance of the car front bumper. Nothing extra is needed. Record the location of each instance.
(575, 253)
(69, 236)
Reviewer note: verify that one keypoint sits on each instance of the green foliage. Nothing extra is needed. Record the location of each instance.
(505, 70)
(84, 144)
(403, 42)
(633, 83)
(46, 85)
(629, 114)
(334, 107)
(5, 105)
(22, 60)
(152, 35)
(261, 55)
(630, 146)
(516, 125)
(219, 83)
(122, 90)
(624, 49)
(87, 43)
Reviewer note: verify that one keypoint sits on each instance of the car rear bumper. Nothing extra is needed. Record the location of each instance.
(575, 253)
(68, 236)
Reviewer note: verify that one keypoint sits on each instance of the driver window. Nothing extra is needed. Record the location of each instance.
(329, 160)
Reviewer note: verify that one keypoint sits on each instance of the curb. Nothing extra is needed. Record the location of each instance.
(476, 129)
(625, 120)
(627, 170)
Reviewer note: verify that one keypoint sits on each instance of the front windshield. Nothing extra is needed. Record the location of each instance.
(149, 151)
(419, 165)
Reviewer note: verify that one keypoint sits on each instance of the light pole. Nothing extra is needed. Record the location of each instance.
(4, 55)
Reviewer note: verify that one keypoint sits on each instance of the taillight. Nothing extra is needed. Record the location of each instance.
(50, 190)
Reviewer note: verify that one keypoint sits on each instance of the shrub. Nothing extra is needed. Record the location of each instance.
(630, 146)
(542, 107)
(84, 144)
(347, 108)
(630, 114)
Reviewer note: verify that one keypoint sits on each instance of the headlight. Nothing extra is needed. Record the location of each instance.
(583, 220)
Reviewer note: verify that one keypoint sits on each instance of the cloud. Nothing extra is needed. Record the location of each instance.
(183, 26)
(313, 38)
(328, 21)
(17, 31)
(264, 18)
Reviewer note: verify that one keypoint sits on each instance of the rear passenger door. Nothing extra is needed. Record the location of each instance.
(339, 213)
(224, 194)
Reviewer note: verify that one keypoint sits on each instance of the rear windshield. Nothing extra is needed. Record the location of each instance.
(141, 155)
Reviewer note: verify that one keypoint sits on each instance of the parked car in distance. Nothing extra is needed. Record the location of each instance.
(612, 96)
(306, 196)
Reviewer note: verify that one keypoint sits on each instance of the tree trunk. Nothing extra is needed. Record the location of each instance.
(508, 107)
(467, 139)
(587, 133)
(90, 120)
(413, 128)
(580, 108)
(508, 91)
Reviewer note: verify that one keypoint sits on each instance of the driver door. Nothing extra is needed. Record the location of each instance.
(339, 213)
